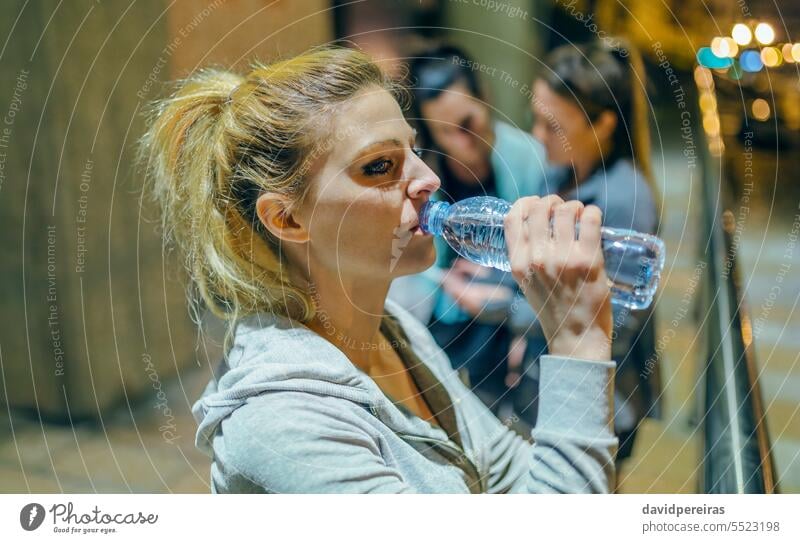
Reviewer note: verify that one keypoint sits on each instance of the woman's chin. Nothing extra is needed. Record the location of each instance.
(416, 259)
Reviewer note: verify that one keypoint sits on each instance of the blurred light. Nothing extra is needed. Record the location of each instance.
(747, 329)
(760, 109)
(724, 47)
(735, 71)
(771, 57)
(741, 34)
(732, 47)
(707, 58)
(716, 147)
(704, 78)
(707, 102)
(786, 52)
(796, 52)
(764, 33)
(711, 124)
(718, 47)
(750, 61)
(728, 221)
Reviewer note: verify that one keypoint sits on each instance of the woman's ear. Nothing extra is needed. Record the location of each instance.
(273, 212)
(606, 125)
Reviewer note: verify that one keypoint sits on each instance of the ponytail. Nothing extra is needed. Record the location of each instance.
(219, 142)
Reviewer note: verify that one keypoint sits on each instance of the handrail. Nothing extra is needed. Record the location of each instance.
(737, 453)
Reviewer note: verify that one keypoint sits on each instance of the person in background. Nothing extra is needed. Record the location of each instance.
(466, 306)
(590, 114)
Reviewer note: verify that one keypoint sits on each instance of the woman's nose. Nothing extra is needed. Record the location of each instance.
(423, 180)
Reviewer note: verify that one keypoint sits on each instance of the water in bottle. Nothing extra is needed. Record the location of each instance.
(474, 229)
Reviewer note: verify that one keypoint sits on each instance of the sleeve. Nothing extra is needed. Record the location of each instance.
(574, 442)
(573, 445)
(289, 442)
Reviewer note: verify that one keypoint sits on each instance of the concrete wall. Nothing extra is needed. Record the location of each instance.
(93, 313)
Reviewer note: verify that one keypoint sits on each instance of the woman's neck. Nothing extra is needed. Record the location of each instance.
(582, 171)
(349, 314)
(587, 164)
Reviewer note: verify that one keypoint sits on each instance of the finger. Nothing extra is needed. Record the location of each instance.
(515, 233)
(539, 213)
(564, 218)
(589, 235)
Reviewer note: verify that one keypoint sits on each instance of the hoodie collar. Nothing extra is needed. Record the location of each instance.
(274, 353)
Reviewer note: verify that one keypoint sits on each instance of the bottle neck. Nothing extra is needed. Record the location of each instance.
(431, 218)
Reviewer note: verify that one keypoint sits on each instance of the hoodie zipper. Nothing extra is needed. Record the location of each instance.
(449, 446)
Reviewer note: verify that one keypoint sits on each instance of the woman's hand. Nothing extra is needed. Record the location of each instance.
(563, 278)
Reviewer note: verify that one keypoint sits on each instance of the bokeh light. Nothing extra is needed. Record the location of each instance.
(750, 61)
(765, 33)
(708, 102)
(735, 72)
(704, 78)
(786, 52)
(716, 147)
(711, 123)
(724, 47)
(771, 57)
(760, 109)
(741, 34)
(707, 58)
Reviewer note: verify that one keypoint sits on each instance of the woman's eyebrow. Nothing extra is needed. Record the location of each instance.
(371, 147)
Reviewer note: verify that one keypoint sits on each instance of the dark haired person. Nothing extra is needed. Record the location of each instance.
(590, 112)
(474, 153)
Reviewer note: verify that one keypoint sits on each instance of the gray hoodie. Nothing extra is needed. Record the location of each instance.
(289, 412)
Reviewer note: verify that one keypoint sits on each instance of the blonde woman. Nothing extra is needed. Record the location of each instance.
(294, 192)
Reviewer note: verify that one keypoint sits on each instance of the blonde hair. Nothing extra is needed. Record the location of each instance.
(222, 139)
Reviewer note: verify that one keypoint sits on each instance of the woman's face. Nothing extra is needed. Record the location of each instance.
(460, 126)
(564, 129)
(362, 206)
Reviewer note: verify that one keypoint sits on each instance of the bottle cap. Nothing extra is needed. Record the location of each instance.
(431, 217)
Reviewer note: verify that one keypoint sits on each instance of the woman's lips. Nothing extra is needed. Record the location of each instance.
(415, 230)
(418, 231)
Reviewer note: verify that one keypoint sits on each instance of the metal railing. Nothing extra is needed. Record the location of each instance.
(736, 451)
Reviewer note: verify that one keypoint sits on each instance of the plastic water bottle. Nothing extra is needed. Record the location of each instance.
(474, 229)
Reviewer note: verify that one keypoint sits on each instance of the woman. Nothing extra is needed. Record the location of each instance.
(292, 190)
(466, 307)
(590, 114)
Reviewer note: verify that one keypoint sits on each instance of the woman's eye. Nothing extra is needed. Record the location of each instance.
(379, 167)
